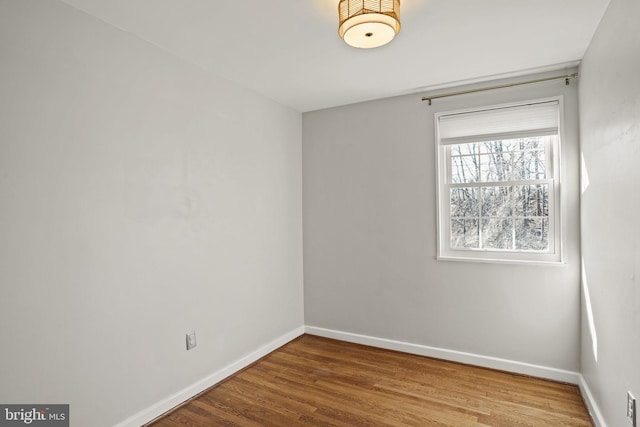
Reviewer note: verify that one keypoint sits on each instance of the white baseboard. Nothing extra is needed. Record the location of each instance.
(452, 355)
(171, 402)
(592, 406)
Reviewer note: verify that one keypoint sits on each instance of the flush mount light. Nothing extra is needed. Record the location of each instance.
(368, 23)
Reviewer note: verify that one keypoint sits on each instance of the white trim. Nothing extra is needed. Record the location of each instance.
(489, 260)
(590, 401)
(452, 355)
(154, 411)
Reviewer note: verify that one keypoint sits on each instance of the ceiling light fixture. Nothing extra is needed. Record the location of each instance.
(368, 23)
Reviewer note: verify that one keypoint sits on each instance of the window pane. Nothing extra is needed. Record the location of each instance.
(497, 166)
(537, 165)
(532, 234)
(497, 233)
(530, 165)
(462, 149)
(464, 202)
(464, 169)
(464, 234)
(496, 201)
(531, 200)
(521, 144)
(497, 146)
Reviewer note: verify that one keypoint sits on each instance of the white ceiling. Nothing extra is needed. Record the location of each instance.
(289, 50)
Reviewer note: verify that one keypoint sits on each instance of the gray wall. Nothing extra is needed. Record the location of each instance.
(140, 197)
(370, 239)
(610, 144)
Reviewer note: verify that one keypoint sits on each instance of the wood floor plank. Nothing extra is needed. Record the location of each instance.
(314, 381)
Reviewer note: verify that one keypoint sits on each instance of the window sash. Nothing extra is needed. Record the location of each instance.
(551, 249)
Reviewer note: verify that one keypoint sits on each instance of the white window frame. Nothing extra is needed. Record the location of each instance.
(445, 251)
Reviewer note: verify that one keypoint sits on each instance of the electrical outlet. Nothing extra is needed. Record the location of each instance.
(191, 340)
(631, 409)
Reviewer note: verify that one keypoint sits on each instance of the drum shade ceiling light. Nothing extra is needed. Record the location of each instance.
(368, 23)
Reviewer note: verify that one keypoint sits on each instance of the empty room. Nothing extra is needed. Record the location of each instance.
(319, 212)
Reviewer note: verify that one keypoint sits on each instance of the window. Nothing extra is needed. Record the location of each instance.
(498, 183)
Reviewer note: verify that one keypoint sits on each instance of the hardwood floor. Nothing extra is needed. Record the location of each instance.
(315, 381)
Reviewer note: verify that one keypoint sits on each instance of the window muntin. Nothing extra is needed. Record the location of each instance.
(498, 194)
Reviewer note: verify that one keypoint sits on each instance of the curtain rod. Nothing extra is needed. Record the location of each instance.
(566, 78)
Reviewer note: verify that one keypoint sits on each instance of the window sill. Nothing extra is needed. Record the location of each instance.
(488, 260)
